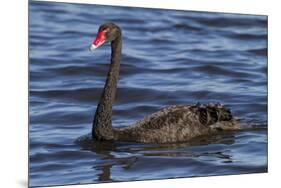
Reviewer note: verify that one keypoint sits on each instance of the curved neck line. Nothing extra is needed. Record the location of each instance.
(102, 124)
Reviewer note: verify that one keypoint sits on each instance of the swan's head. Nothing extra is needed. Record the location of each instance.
(107, 32)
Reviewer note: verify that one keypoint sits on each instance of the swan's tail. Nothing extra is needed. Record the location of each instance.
(212, 113)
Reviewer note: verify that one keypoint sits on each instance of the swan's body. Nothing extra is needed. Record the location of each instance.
(172, 124)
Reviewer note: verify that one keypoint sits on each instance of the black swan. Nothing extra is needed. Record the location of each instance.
(177, 123)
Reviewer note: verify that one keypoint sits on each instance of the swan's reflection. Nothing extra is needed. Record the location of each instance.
(126, 155)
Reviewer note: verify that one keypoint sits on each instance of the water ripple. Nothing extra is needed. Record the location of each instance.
(168, 57)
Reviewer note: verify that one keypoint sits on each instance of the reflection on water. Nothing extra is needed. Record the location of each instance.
(168, 57)
(127, 155)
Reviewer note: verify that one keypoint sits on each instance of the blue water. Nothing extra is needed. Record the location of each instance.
(169, 57)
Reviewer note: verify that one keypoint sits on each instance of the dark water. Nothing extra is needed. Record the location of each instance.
(169, 57)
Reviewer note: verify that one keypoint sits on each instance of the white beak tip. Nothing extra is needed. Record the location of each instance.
(93, 47)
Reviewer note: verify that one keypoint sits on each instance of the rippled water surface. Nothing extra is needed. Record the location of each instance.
(169, 57)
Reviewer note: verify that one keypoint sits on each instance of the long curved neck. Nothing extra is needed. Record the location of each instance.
(102, 124)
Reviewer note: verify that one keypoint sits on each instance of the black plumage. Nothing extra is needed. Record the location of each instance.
(171, 124)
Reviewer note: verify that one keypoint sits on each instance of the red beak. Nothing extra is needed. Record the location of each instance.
(100, 39)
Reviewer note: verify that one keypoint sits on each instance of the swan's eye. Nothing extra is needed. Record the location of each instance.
(105, 29)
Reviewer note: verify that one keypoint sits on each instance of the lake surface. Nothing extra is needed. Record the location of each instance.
(169, 57)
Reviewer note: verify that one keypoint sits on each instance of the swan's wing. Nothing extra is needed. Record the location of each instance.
(204, 115)
(177, 123)
(165, 117)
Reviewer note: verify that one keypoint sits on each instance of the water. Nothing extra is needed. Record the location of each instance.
(169, 57)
